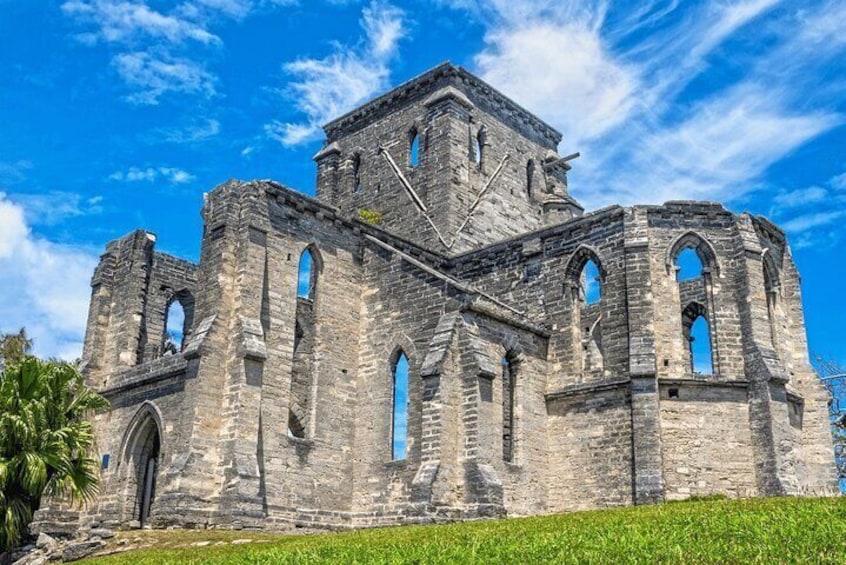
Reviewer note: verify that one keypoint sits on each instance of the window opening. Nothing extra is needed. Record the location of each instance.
(174, 329)
(357, 174)
(307, 278)
(591, 283)
(414, 149)
(399, 420)
(689, 265)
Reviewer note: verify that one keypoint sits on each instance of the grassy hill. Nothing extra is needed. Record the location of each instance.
(776, 530)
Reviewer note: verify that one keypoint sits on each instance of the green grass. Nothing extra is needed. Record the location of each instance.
(706, 531)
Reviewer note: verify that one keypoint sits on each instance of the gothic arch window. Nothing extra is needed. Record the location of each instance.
(530, 174)
(356, 173)
(302, 373)
(399, 406)
(692, 261)
(478, 147)
(178, 320)
(413, 147)
(590, 283)
(697, 333)
(700, 246)
(307, 275)
(510, 366)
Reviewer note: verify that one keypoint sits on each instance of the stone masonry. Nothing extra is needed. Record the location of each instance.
(443, 230)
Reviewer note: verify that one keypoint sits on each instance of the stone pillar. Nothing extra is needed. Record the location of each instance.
(115, 335)
(647, 468)
(328, 162)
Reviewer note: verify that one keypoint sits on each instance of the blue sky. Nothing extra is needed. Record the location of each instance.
(119, 114)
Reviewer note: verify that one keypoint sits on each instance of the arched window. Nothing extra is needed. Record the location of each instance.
(509, 381)
(174, 329)
(307, 278)
(688, 265)
(399, 408)
(479, 147)
(697, 333)
(590, 284)
(530, 174)
(414, 148)
(356, 164)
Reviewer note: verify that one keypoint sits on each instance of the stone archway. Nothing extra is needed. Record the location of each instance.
(142, 460)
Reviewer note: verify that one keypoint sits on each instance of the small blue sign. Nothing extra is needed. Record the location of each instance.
(106, 458)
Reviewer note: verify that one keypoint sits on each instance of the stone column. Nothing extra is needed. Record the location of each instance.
(647, 469)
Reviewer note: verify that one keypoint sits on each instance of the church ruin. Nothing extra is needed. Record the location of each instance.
(443, 333)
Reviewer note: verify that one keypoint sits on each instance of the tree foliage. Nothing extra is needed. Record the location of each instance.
(44, 440)
(833, 376)
(14, 347)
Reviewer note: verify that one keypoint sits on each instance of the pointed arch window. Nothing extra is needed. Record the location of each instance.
(478, 147)
(693, 261)
(590, 283)
(414, 148)
(356, 173)
(697, 333)
(307, 277)
(174, 328)
(399, 408)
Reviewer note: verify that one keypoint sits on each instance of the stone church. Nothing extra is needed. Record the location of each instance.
(444, 333)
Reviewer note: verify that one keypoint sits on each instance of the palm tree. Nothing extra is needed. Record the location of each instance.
(44, 441)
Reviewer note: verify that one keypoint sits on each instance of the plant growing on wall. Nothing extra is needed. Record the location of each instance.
(44, 440)
(372, 217)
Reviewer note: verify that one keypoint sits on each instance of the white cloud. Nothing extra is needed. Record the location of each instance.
(153, 76)
(119, 21)
(154, 50)
(53, 207)
(45, 286)
(613, 79)
(198, 131)
(324, 89)
(800, 197)
(584, 93)
(813, 220)
(150, 174)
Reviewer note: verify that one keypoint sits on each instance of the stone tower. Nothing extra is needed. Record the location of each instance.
(444, 334)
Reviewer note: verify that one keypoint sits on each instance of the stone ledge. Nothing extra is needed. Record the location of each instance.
(701, 382)
(147, 373)
(585, 388)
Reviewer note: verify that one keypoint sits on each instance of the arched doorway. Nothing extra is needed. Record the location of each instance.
(142, 459)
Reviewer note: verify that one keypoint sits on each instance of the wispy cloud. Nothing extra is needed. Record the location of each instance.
(170, 175)
(151, 76)
(816, 219)
(53, 207)
(323, 89)
(197, 131)
(155, 50)
(45, 285)
(617, 88)
(13, 172)
(812, 213)
(118, 21)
